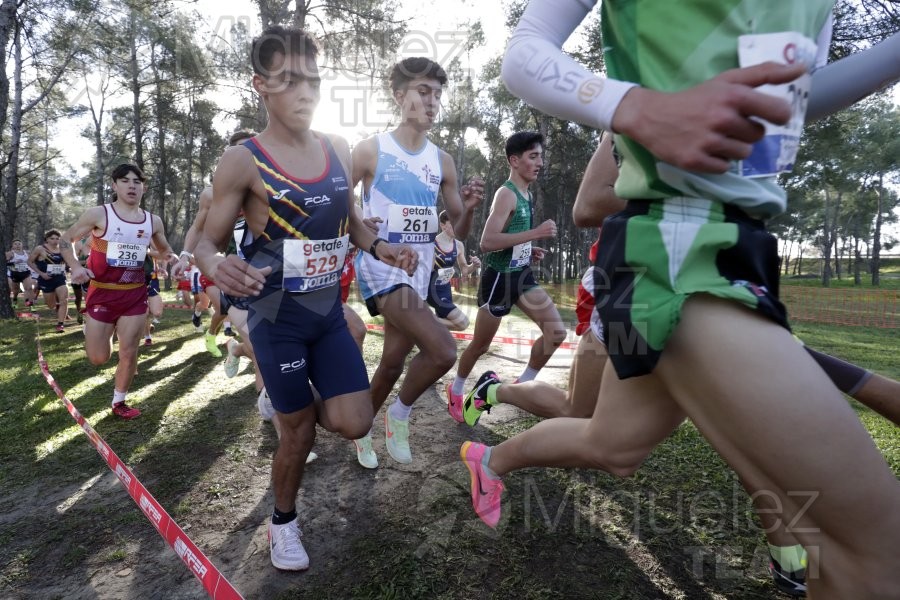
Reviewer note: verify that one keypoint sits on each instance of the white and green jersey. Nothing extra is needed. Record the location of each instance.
(672, 46)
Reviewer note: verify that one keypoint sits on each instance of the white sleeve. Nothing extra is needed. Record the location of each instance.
(846, 81)
(537, 70)
(823, 42)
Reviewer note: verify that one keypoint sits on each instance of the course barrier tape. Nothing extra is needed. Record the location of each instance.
(216, 585)
(512, 341)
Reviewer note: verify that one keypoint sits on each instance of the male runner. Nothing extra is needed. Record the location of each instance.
(402, 172)
(702, 334)
(293, 186)
(121, 233)
(47, 261)
(18, 272)
(448, 252)
(507, 279)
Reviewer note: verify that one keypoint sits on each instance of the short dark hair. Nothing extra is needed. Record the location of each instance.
(126, 168)
(278, 39)
(522, 141)
(240, 134)
(418, 66)
(444, 216)
(50, 233)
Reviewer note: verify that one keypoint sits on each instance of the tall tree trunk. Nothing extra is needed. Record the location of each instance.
(136, 98)
(163, 175)
(857, 260)
(876, 236)
(11, 178)
(826, 245)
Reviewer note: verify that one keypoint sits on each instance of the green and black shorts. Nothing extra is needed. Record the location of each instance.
(655, 254)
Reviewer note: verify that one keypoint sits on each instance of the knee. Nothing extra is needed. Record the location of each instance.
(445, 356)
(555, 335)
(620, 464)
(355, 429)
(296, 440)
(97, 358)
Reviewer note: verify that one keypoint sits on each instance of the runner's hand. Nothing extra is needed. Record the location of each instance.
(400, 256)
(81, 274)
(537, 254)
(472, 193)
(545, 230)
(372, 223)
(706, 126)
(180, 267)
(237, 278)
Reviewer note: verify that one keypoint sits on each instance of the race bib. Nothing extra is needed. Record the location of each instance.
(521, 256)
(444, 276)
(412, 224)
(125, 255)
(311, 265)
(56, 269)
(775, 153)
(20, 267)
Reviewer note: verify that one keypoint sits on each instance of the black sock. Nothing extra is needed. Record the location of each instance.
(282, 518)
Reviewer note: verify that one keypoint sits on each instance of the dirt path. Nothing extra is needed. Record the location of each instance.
(107, 549)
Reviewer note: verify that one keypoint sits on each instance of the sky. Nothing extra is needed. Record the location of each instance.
(347, 107)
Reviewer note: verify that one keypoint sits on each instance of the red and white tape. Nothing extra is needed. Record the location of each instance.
(216, 585)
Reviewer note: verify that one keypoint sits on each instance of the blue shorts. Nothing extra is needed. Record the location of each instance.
(226, 302)
(48, 286)
(301, 339)
(153, 288)
(440, 297)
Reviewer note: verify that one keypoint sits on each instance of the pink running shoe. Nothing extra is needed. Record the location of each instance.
(454, 404)
(124, 411)
(485, 491)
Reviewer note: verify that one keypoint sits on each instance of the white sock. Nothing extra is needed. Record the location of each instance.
(118, 397)
(459, 385)
(227, 324)
(528, 374)
(399, 410)
(198, 312)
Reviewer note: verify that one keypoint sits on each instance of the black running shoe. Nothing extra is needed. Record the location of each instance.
(792, 583)
(195, 319)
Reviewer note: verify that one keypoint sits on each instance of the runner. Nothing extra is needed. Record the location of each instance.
(152, 273)
(18, 272)
(440, 292)
(81, 250)
(702, 334)
(402, 172)
(120, 233)
(594, 202)
(507, 279)
(293, 186)
(47, 261)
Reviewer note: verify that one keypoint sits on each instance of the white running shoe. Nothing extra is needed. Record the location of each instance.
(285, 547)
(396, 438)
(232, 362)
(311, 457)
(364, 452)
(264, 404)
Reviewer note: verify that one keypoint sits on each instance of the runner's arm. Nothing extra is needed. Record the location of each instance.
(596, 198)
(232, 183)
(846, 81)
(160, 243)
(460, 209)
(493, 238)
(465, 267)
(92, 218)
(700, 129)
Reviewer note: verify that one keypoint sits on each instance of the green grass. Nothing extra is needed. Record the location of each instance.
(682, 527)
